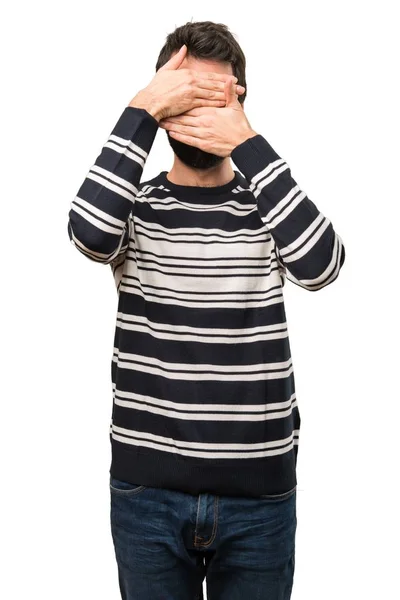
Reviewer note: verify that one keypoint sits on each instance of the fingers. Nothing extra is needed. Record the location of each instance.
(181, 119)
(176, 60)
(210, 94)
(188, 139)
(195, 112)
(208, 102)
(216, 90)
(174, 128)
(230, 93)
(216, 82)
(218, 76)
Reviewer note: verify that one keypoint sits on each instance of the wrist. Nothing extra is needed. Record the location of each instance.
(144, 100)
(244, 136)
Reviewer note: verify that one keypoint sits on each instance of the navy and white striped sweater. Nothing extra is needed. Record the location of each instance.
(203, 387)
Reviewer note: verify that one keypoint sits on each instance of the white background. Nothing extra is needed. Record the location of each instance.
(321, 82)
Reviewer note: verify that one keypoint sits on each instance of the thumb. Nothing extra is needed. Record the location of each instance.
(231, 97)
(176, 60)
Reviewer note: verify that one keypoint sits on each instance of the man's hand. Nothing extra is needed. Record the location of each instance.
(173, 91)
(215, 130)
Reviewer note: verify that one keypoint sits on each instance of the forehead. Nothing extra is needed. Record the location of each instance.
(202, 64)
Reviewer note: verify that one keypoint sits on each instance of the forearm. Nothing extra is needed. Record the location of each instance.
(307, 243)
(98, 216)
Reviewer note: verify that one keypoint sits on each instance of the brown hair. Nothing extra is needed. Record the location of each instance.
(207, 40)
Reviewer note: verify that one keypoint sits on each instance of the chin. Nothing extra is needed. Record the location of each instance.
(194, 157)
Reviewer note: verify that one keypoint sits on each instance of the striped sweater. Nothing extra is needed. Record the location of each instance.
(203, 387)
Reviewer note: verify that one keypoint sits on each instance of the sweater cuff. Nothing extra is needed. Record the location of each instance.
(253, 155)
(137, 124)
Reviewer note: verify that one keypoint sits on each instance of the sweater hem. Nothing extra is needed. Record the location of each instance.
(259, 477)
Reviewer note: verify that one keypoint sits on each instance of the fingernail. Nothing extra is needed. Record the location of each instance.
(240, 88)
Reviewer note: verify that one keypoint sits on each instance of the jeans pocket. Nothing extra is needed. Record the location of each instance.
(125, 488)
(279, 497)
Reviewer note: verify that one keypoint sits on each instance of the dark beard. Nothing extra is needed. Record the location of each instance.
(194, 157)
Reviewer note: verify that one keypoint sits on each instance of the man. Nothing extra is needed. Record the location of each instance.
(205, 424)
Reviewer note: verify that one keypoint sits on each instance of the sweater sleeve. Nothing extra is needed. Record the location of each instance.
(99, 216)
(307, 247)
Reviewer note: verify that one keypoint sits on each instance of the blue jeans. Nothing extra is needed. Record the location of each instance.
(167, 541)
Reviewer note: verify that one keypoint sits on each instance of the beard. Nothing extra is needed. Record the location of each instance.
(194, 157)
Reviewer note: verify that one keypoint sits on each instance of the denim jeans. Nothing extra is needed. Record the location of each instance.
(167, 542)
